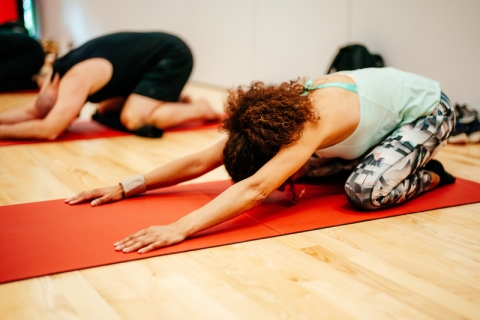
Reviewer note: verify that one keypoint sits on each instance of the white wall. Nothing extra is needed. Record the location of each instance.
(439, 39)
(235, 42)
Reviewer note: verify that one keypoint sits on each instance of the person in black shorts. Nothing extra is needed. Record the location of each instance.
(135, 77)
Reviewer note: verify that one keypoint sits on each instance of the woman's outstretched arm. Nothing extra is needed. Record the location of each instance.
(237, 199)
(179, 170)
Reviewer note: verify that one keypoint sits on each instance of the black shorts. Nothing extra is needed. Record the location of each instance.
(166, 80)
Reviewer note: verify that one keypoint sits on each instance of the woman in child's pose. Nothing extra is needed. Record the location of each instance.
(383, 125)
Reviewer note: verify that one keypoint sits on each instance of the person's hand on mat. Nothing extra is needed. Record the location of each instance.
(150, 239)
(99, 196)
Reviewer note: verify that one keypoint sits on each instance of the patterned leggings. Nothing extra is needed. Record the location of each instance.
(393, 171)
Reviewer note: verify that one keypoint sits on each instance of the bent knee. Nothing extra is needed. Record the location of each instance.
(359, 196)
(131, 122)
(137, 111)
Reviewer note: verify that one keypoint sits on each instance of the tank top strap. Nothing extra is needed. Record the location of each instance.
(343, 85)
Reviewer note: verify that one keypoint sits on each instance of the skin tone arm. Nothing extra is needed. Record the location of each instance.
(73, 90)
(235, 200)
(72, 93)
(15, 115)
(172, 173)
(27, 112)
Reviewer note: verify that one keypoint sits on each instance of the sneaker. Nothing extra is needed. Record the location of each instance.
(459, 134)
(473, 131)
(465, 114)
(467, 125)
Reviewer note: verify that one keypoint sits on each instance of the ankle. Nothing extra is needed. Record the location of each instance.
(438, 169)
(434, 180)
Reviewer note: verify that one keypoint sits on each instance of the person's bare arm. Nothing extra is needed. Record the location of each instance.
(72, 94)
(237, 199)
(23, 113)
(179, 170)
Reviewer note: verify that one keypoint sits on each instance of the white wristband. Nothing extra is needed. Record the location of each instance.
(133, 185)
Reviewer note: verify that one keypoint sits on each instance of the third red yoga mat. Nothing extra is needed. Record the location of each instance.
(49, 237)
(84, 130)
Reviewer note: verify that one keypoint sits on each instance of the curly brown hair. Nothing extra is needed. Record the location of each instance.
(260, 119)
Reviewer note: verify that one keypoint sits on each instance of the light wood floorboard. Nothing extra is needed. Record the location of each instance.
(418, 266)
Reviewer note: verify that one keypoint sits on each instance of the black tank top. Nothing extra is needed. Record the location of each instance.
(132, 55)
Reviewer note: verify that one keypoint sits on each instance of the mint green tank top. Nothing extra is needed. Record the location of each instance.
(388, 99)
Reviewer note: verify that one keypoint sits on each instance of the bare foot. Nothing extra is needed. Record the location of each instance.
(435, 180)
(185, 99)
(112, 105)
(206, 110)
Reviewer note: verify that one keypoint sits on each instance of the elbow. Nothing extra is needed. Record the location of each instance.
(258, 200)
(257, 193)
(196, 167)
(48, 133)
(52, 136)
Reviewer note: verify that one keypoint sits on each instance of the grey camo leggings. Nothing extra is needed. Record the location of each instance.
(393, 171)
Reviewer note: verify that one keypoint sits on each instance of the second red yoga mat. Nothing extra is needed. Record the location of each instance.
(84, 130)
(49, 237)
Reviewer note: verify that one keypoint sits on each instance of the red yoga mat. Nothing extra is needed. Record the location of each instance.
(84, 130)
(49, 237)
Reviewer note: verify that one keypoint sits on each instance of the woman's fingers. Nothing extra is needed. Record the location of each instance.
(73, 200)
(159, 244)
(102, 200)
(143, 245)
(82, 196)
(99, 196)
(149, 239)
(128, 241)
(150, 247)
(131, 245)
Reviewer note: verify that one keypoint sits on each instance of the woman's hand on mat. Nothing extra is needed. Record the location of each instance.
(99, 196)
(150, 239)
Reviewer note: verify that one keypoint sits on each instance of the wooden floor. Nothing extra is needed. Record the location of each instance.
(417, 266)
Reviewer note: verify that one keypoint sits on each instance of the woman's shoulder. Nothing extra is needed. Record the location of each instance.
(335, 77)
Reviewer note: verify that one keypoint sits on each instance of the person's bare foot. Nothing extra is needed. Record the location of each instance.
(207, 112)
(185, 99)
(112, 105)
(437, 171)
(435, 180)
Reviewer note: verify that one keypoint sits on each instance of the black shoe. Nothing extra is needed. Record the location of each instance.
(437, 167)
(473, 131)
(467, 127)
(113, 121)
(459, 134)
(465, 114)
